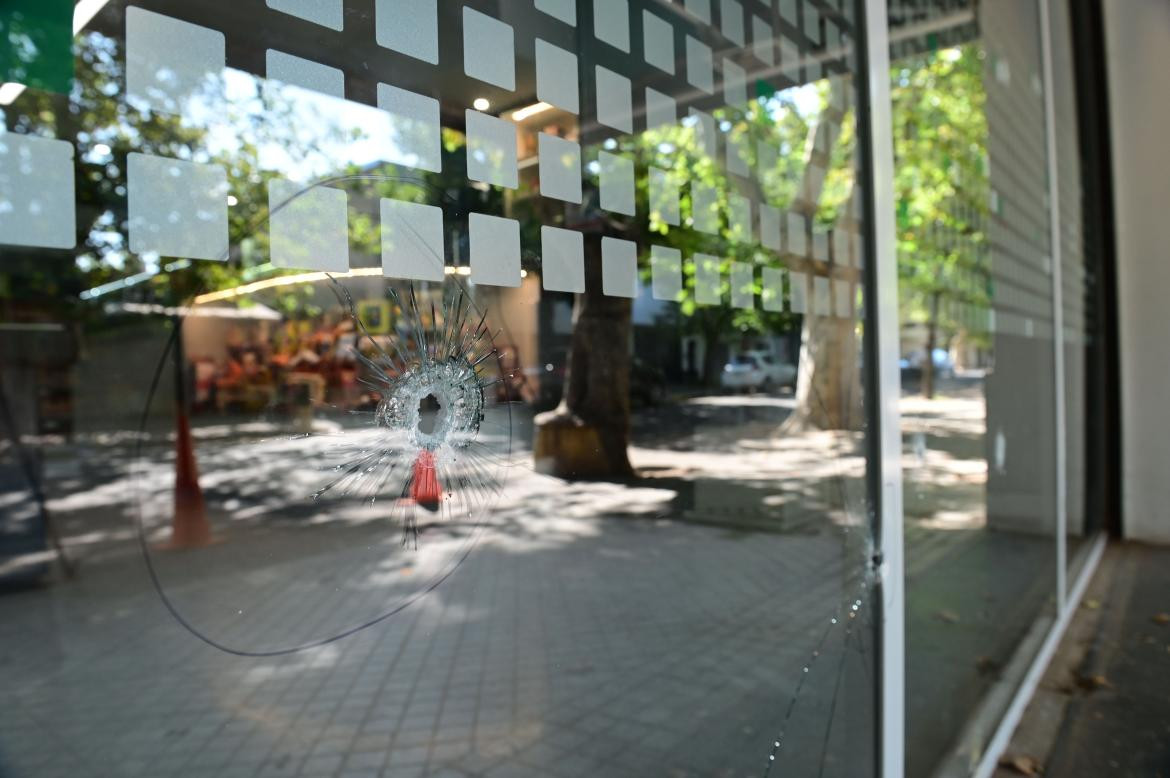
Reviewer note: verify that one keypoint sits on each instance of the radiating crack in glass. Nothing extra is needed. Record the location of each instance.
(421, 446)
(850, 613)
(438, 441)
(856, 614)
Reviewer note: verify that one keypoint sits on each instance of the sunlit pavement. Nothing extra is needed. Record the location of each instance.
(593, 628)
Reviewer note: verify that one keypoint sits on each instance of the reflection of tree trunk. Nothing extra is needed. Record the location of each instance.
(931, 342)
(828, 379)
(828, 385)
(712, 354)
(587, 435)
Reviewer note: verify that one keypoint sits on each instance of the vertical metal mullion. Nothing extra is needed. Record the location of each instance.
(883, 379)
(1057, 308)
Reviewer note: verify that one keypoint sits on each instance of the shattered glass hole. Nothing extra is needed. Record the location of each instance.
(432, 387)
(395, 479)
(437, 404)
(428, 411)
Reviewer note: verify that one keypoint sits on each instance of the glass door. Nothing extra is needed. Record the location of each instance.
(431, 388)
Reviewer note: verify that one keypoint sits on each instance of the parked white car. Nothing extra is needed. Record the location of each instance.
(742, 373)
(776, 373)
(757, 371)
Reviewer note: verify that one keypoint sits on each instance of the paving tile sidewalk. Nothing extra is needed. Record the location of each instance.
(567, 644)
(1103, 707)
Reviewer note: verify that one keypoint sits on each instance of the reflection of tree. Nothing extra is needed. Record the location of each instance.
(589, 432)
(230, 133)
(828, 382)
(680, 150)
(809, 171)
(940, 144)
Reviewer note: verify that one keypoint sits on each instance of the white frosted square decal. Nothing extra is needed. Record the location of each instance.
(495, 250)
(327, 13)
(842, 247)
(663, 186)
(617, 183)
(731, 21)
(658, 42)
(743, 294)
(763, 43)
(304, 73)
(704, 208)
(700, 66)
(812, 69)
(820, 245)
(169, 61)
(772, 289)
(843, 299)
(767, 160)
(739, 217)
(700, 9)
(177, 208)
(666, 273)
(611, 23)
(615, 100)
(414, 128)
(560, 168)
(797, 237)
(840, 101)
(798, 292)
(734, 84)
(737, 161)
(491, 150)
(833, 37)
(788, 11)
(562, 260)
(37, 204)
(556, 77)
(308, 230)
(489, 49)
(412, 240)
(704, 128)
(619, 267)
(821, 296)
(770, 227)
(410, 27)
(789, 58)
(812, 24)
(661, 110)
(707, 279)
(564, 10)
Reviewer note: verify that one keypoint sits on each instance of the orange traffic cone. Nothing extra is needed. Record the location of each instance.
(424, 486)
(190, 527)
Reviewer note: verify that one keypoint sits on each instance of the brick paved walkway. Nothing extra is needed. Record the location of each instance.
(594, 629)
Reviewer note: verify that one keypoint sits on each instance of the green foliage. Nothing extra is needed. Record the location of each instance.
(778, 121)
(106, 127)
(941, 181)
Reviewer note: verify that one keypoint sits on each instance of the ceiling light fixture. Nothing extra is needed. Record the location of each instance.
(530, 111)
